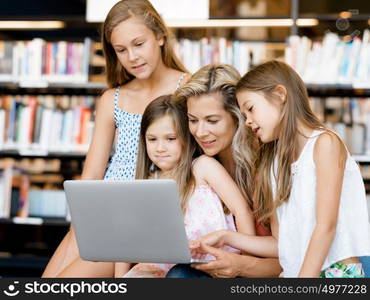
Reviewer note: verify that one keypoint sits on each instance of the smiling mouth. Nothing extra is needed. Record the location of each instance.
(207, 143)
(255, 130)
(139, 66)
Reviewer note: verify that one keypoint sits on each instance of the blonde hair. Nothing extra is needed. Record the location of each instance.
(143, 9)
(183, 175)
(221, 79)
(265, 78)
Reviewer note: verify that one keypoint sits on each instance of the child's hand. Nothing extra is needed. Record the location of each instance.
(214, 239)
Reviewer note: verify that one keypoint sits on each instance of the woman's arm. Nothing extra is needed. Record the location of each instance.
(211, 171)
(330, 158)
(229, 265)
(95, 164)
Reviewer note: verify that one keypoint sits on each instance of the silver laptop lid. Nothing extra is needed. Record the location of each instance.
(129, 221)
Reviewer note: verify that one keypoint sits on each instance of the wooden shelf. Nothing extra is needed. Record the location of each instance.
(30, 154)
(35, 221)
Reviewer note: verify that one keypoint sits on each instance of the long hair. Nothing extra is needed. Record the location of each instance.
(183, 175)
(221, 79)
(143, 9)
(279, 154)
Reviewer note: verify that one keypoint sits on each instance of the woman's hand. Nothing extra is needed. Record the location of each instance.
(226, 264)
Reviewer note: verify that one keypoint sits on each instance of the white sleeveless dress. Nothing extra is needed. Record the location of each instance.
(297, 216)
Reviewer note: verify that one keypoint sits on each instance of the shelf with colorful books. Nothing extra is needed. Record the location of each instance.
(336, 62)
(39, 62)
(46, 125)
(28, 197)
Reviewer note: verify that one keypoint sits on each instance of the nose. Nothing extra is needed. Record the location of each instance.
(201, 130)
(132, 56)
(248, 122)
(161, 146)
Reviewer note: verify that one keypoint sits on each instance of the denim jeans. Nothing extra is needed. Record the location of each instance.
(185, 271)
(365, 260)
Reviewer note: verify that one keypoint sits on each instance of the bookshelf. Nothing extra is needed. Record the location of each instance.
(37, 237)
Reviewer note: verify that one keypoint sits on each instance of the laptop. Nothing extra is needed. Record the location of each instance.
(128, 221)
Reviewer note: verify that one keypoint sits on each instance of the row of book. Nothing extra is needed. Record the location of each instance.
(46, 123)
(332, 61)
(41, 61)
(197, 53)
(19, 199)
(349, 118)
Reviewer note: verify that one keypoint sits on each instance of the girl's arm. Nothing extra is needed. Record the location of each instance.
(95, 164)
(211, 171)
(330, 158)
(263, 246)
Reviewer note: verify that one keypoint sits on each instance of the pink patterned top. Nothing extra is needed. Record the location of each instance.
(204, 214)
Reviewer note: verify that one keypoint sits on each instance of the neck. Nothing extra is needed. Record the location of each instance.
(303, 133)
(227, 161)
(167, 174)
(158, 76)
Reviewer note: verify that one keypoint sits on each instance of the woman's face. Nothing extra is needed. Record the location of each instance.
(211, 125)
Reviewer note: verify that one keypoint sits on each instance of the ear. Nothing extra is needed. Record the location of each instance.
(281, 93)
(160, 40)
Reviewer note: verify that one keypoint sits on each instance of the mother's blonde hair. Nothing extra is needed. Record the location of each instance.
(143, 9)
(221, 80)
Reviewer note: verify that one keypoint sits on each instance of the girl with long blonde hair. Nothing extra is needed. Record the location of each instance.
(140, 66)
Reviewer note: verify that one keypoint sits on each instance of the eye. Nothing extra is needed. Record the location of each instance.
(120, 50)
(151, 139)
(250, 109)
(139, 44)
(193, 121)
(172, 138)
(212, 121)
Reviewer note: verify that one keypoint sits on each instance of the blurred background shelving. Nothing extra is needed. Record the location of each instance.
(40, 93)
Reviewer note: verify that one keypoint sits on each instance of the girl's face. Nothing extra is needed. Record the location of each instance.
(137, 48)
(262, 116)
(211, 125)
(163, 143)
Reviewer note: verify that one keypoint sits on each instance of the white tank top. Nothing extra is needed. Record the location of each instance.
(297, 217)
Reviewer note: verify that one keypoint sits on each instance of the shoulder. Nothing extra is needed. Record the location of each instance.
(329, 146)
(328, 140)
(108, 94)
(179, 77)
(204, 164)
(106, 102)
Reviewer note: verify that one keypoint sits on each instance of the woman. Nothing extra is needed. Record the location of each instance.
(216, 124)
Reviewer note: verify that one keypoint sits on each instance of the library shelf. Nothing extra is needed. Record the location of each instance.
(83, 89)
(97, 88)
(338, 90)
(362, 159)
(43, 154)
(35, 221)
